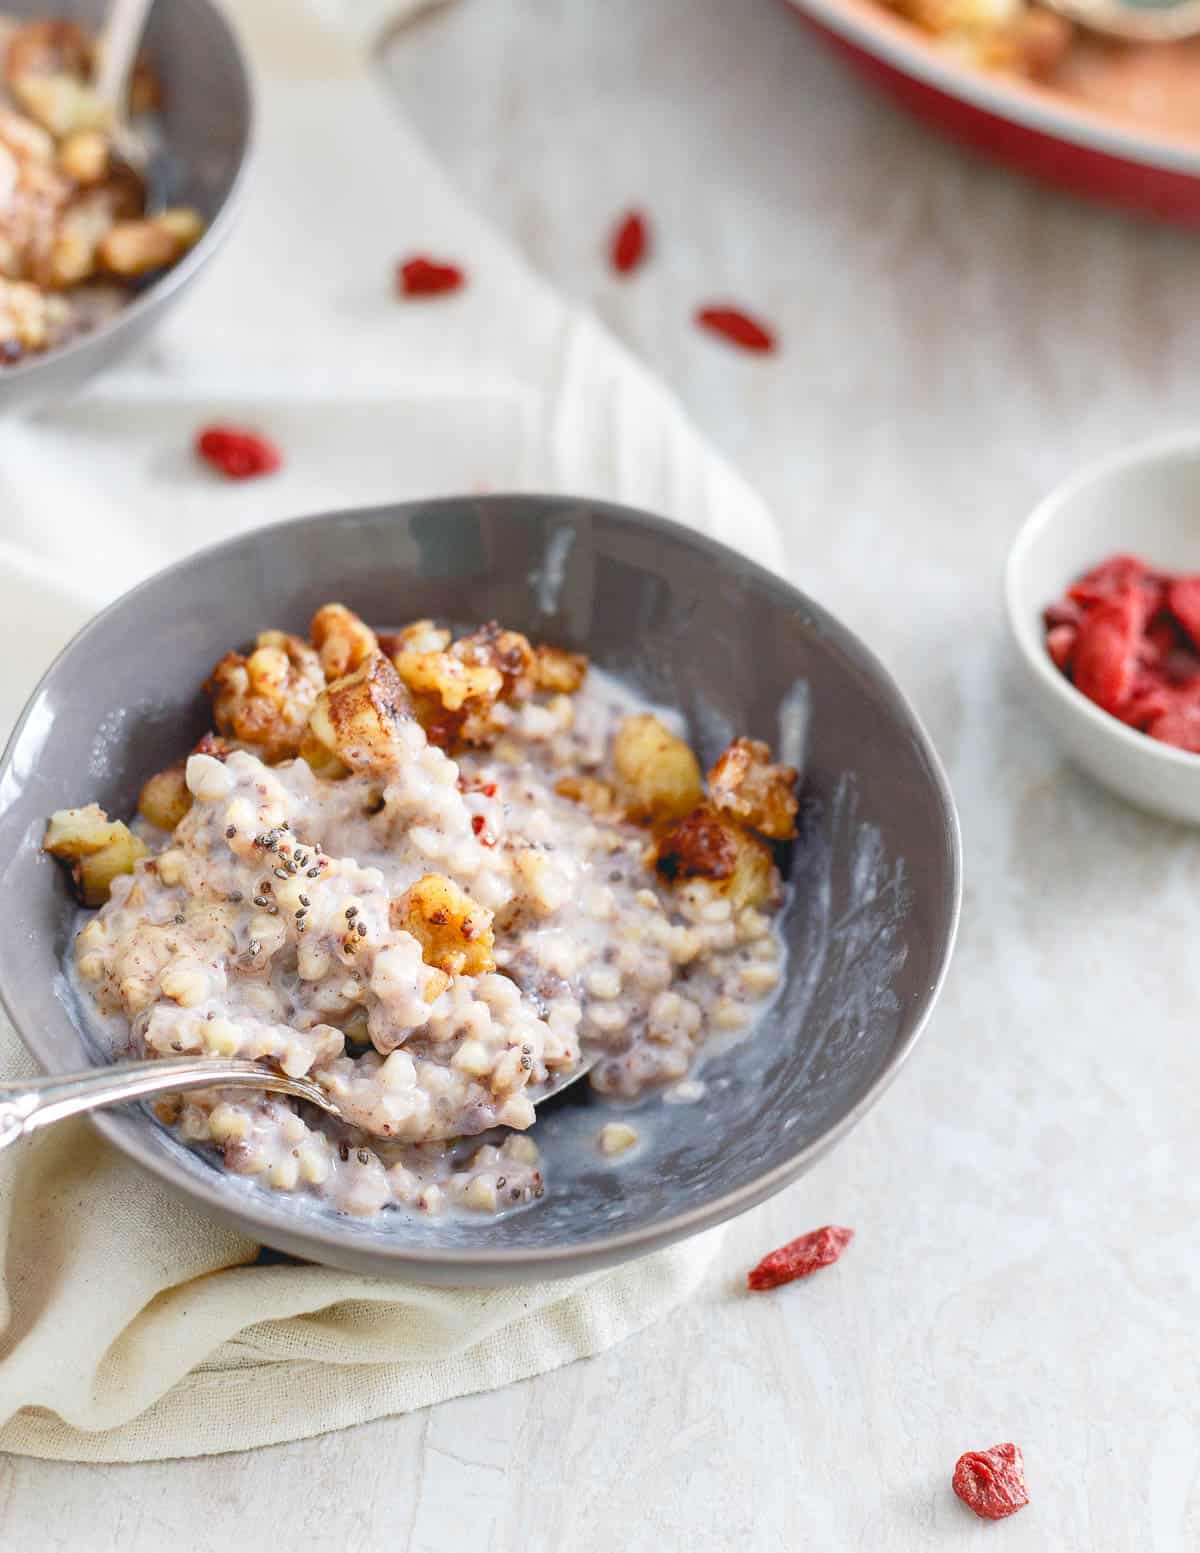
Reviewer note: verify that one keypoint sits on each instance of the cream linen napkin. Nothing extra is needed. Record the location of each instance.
(135, 1328)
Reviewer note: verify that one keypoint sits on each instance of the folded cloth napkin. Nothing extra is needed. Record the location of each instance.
(133, 1326)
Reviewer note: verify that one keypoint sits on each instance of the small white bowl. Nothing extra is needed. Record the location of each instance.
(1147, 503)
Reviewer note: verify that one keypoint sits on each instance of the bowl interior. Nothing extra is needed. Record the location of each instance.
(874, 875)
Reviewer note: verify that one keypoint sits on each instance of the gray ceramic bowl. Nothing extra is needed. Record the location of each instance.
(875, 874)
(206, 124)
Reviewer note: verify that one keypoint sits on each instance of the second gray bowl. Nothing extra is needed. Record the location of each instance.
(875, 874)
(206, 125)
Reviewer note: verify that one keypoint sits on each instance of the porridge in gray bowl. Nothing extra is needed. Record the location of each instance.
(435, 875)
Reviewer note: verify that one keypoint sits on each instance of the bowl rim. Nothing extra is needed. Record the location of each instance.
(867, 26)
(1168, 448)
(158, 293)
(410, 1261)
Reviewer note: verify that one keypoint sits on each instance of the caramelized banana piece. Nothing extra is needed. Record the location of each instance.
(165, 799)
(658, 777)
(705, 846)
(97, 848)
(357, 720)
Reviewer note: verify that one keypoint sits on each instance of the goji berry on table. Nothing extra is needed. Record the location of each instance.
(992, 1482)
(629, 243)
(238, 454)
(800, 1257)
(424, 277)
(739, 328)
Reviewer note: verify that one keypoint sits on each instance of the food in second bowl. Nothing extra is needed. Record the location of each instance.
(431, 874)
(1127, 635)
(77, 227)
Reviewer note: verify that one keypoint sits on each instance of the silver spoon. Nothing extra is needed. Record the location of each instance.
(1141, 21)
(120, 39)
(25, 1107)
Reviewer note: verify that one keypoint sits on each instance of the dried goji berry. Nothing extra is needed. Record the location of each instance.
(737, 327)
(238, 454)
(629, 243)
(1060, 644)
(992, 1482)
(422, 277)
(1183, 600)
(1106, 651)
(1149, 700)
(819, 1248)
(1162, 637)
(1116, 575)
(1064, 612)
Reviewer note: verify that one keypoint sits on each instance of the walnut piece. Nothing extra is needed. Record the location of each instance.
(447, 680)
(418, 636)
(745, 784)
(555, 669)
(454, 931)
(265, 700)
(343, 640)
(658, 777)
(508, 652)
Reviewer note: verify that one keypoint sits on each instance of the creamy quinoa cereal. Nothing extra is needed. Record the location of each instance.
(76, 229)
(434, 876)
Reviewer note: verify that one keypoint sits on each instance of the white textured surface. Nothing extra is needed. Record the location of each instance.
(1026, 1265)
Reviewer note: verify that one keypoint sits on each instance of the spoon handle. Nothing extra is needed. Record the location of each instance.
(24, 1107)
(124, 24)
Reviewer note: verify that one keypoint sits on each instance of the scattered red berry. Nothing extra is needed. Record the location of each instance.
(629, 243)
(238, 454)
(736, 327)
(819, 1248)
(992, 1482)
(421, 277)
(1128, 636)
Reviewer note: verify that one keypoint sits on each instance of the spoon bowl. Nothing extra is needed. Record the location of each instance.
(24, 1108)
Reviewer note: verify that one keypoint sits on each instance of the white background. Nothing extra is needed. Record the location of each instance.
(953, 341)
